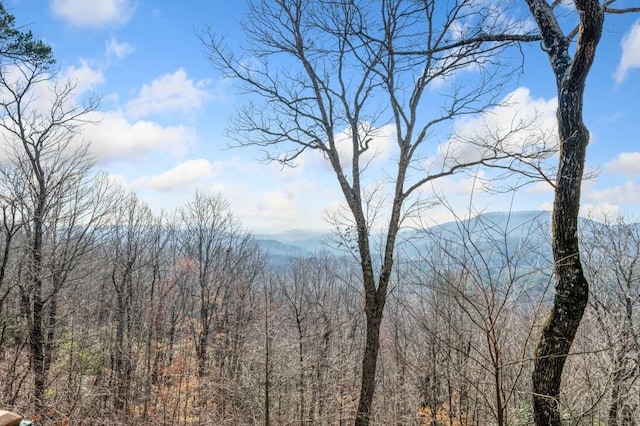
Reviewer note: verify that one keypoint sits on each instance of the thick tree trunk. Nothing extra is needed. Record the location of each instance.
(369, 365)
(36, 338)
(375, 297)
(572, 288)
(36, 332)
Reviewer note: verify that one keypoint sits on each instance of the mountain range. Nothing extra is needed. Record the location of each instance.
(505, 226)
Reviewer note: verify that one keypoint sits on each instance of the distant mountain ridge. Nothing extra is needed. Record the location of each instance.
(492, 224)
(293, 242)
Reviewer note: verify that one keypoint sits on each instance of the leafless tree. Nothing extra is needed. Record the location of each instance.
(611, 254)
(10, 327)
(219, 253)
(240, 276)
(128, 254)
(11, 225)
(497, 276)
(326, 77)
(58, 208)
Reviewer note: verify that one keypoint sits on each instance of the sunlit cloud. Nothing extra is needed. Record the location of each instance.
(630, 58)
(626, 164)
(600, 211)
(521, 123)
(627, 193)
(84, 77)
(540, 187)
(183, 176)
(113, 137)
(98, 13)
(171, 93)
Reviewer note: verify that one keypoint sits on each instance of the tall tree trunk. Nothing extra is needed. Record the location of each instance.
(36, 332)
(369, 365)
(120, 356)
(36, 338)
(375, 299)
(203, 340)
(375, 296)
(572, 288)
(267, 360)
(122, 350)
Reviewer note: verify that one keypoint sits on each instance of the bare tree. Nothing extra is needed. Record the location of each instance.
(498, 277)
(16, 47)
(239, 272)
(10, 335)
(55, 192)
(328, 76)
(611, 254)
(571, 53)
(210, 238)
(309, 289)
(128, 254)
(11, 225)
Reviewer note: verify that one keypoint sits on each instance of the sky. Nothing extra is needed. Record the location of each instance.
(161, 126)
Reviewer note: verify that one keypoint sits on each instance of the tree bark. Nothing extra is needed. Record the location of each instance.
(369, 365)
(572, 288)
(36, 333)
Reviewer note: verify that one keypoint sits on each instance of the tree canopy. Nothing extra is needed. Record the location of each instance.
(19, 45)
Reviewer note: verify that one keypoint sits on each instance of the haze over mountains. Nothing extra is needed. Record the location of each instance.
(483, 227)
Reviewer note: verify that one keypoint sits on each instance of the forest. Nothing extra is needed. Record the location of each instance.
(112, 313)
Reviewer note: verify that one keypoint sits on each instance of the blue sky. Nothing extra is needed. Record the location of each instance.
(164, 112)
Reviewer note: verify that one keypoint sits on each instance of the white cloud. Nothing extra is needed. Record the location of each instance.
(84, 77)
(626, 164)
(115, 138)
(293, 205)
(277, 204)
(51, 93)
(182, 176)
(46, 91)
(274, 209)
(520, 123)
(381, 141)
(41, 93)
(630, 53)
(169, 93)
(95, 13)
(541, 187)
(453, 186)
(117, 50)
(628, 193)
(381, 147)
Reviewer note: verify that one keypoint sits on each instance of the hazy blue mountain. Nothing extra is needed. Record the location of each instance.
(294, 243)
(497, 225)
(278, 248)
(509, 228)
